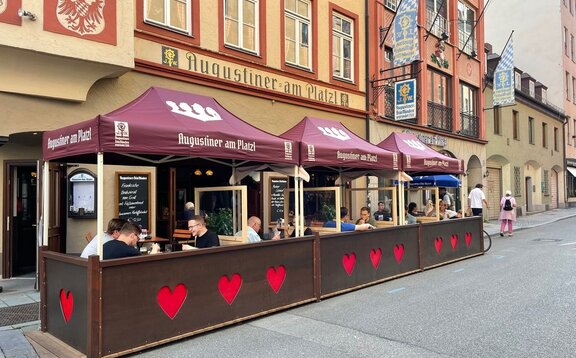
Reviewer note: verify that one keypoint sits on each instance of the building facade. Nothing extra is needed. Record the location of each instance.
(552, 64)
(270, 63)
(449, 107)
(525, 153)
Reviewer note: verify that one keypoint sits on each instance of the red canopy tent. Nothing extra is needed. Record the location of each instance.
(168, 122)
(418, 157)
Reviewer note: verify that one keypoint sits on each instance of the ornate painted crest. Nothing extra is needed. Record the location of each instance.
(3, 5)
(85, 17)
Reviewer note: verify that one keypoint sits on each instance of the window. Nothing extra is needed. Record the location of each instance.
(572, 47)
(433, 8)
(342, 47)
(440, 89)
(567, 82)
(497, 121)
(574, 131)
(466, 21)
(468, 100)
(515, 124)
(517, 81)
(241, 24)
(530, 130)
(391, 4)
(171, 14)
(546, 183)
(544, 95)
(388, 54)
(297, 20)
(573, 92)
(531, 88)
(565, 39)
(555, 139)
(544, 135)
(517, 185)
(570, 6)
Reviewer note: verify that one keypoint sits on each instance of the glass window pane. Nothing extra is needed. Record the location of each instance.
(336, 45)
(231, 9)
(290, 5)
(303, 8)
(304, 34)
(336, 23)
(249, 13)
(231, 32)
(155, 10)
(178, 14)
(290, 49)
(346, 27)
(290, 28)
(347, 49)
(347, 69)
(304, 56)
(248, 37)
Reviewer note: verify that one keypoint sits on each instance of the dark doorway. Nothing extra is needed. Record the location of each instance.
(21, 219)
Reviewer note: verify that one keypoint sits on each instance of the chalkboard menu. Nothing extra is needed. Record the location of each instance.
(133, 198)
(277, 186)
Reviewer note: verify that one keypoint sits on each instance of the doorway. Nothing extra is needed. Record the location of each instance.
(20, 206)
(529, 190)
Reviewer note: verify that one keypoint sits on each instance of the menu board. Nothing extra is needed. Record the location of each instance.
(277, 186)
(133, 198)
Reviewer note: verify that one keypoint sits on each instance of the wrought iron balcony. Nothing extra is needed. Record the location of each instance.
(469, 125)
(439, 116)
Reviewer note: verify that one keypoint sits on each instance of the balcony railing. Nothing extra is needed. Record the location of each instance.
(469, 125)
(439, 116)
(440, 24)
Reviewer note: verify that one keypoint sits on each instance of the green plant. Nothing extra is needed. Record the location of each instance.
(220, 222)
(328, 211)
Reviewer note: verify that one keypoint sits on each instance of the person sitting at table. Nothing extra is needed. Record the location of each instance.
(204, 237)
(254, 226)
(383, 214)
(365, 217)
(446, 213)
(431, 209)
(112, 233)
(345, 225)
(125, 244)
(411, 213)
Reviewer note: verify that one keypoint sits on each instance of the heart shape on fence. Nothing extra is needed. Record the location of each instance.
(66, 304)
(229, 288)
(438, 244)
(348, 261)
(276, 277)
(375, 256)
(468, 237)
(454, 241)
(171, 301)
(399, 252)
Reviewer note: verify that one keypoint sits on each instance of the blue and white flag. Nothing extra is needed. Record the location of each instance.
(504, 77)
(405, 39)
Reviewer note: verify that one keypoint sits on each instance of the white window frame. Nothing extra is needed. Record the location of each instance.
(342, 36)
(441, 25)
(463, 33)
(517, 81)
(166, 23)
(531, 89)
(391, 4)
(298, 22)
(240, 45)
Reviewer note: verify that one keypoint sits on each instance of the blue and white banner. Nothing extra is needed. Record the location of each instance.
(405, 39)
(504, 77)
(405, 100)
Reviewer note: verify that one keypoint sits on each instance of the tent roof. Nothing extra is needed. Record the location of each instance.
(329, 143)
(441, 180)
(168, 122)
(418, 157)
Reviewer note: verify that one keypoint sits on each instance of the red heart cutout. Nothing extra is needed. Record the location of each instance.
(454, 241)
(171, 301)
(276, 277)
(438, 244)
(375, 256)
(348, 261)
(468, 238)
(66, 304)
(399, 252)
(229, 287)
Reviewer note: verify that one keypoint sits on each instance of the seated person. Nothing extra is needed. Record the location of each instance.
(383, 214)
(411, 213)
(365, 217)
(254, 225)
(446, 213)
(112, 233)
(204, 237)
(431, 209)
(125, 244)
(345, 225)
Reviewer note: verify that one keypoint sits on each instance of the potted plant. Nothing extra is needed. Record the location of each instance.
(220, 222)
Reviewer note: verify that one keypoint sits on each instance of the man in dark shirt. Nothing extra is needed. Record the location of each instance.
(125, 244)
(383, 214)
(204, 237)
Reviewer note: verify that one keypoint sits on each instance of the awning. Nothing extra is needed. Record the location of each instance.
(572, 171)
(446, 180)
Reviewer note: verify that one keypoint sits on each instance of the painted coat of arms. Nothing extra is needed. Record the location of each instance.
(85, 17)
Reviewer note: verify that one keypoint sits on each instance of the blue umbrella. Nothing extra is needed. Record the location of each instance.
(444, 180)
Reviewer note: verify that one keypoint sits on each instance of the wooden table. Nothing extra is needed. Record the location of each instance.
(153, 240)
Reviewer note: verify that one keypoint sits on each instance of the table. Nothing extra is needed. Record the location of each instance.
(153, 240)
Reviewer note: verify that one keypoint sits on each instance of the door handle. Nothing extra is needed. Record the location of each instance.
(34, 225)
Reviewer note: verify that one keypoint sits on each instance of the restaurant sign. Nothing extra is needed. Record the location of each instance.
(229, 72)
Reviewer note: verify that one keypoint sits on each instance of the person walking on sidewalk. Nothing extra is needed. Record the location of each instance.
(475, 199)
(507, 212)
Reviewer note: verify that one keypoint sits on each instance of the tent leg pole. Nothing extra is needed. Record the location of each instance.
(100, 203)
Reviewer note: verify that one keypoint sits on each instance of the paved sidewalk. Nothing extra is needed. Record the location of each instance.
(20, 291)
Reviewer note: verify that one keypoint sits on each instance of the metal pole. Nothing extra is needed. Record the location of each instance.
(100, 203)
